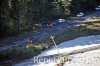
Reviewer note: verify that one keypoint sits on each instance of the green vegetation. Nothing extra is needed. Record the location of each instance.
(20, 53)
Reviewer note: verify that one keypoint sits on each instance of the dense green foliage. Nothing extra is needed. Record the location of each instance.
(83, 5)
(20, 15)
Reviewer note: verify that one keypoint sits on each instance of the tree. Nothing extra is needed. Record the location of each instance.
(83, 5)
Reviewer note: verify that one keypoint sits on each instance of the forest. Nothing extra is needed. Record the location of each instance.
(21, 15)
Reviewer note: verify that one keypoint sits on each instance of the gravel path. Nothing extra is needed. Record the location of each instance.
(91, 58)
